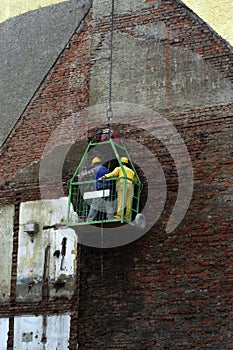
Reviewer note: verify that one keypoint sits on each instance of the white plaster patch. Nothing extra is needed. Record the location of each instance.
(41, 332)
(4, 328)
(65, 263)
(50, 253)
(6, 246)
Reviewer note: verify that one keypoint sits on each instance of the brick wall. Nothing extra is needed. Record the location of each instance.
(165, 290)
(170, 291)
(63, 92)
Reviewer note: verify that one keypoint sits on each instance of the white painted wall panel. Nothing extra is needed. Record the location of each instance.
(58, 331)
(41, 332)
(4, 328)
(6, 246)
(63, 265)
(36, 259)
(28, 333)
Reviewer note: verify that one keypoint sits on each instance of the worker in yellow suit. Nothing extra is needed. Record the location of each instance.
(122, 184)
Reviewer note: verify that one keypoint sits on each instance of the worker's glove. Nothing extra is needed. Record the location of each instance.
(100, 179)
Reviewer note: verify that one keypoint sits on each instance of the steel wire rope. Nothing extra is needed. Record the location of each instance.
(101, 251)
(109, 109)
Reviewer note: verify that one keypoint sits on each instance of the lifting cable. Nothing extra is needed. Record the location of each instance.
(109, 110)
(101, 251)
(109, 115)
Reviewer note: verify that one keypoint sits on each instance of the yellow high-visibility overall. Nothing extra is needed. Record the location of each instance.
(118, 172)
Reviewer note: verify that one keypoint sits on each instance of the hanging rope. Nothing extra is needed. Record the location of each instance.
(109, 118)
(101, 251)
(109, 110)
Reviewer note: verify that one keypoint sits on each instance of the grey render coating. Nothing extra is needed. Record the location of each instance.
(29, 46)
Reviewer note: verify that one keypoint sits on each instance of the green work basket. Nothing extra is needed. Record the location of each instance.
(88, 196)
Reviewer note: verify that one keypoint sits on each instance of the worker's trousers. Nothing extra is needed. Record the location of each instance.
(103, 206)
(127, 200)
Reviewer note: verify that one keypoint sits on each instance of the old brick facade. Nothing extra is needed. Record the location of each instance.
(166, 290)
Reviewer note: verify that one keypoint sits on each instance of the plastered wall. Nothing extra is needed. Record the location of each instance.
(42, 332)
(210, 10)
(6, 237)
(47, 258)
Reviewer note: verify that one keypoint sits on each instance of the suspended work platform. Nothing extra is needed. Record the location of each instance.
(105, 188)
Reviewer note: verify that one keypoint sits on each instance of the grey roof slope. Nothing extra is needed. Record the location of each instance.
(29, 46)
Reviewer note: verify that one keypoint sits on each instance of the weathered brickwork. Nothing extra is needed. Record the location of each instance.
(64, 92)
(173, 291)
(165, 290)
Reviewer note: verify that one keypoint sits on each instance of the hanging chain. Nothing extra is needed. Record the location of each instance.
(109, 110)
